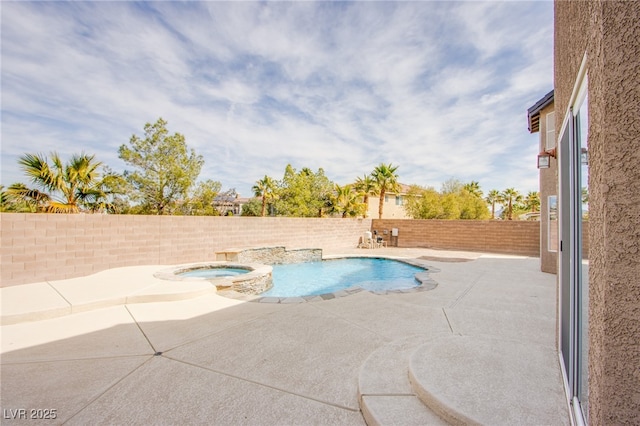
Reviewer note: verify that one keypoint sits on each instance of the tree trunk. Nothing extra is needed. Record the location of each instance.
(381, 203)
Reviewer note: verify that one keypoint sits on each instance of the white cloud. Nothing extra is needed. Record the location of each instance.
(438, 88)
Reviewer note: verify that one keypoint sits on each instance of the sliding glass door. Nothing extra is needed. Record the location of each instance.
(574, 259)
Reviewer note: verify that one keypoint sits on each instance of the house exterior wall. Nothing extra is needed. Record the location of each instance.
(609, 33)
(40, 247)
(390, 211)
(495, 236)
(548, 187)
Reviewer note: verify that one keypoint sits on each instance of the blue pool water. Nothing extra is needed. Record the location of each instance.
(329, 276)
(213, 272)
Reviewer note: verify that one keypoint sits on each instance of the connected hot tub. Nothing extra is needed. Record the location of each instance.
(250, 278)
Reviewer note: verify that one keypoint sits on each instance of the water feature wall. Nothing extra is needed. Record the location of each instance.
(270, 255)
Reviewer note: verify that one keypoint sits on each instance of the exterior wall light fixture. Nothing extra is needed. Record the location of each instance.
(544, 158)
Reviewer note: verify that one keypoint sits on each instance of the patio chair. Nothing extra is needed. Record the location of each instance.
(367, 241)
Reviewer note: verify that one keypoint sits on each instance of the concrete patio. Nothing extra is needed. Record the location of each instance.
(127, 349)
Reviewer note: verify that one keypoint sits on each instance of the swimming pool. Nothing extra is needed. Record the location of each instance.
(329, 276)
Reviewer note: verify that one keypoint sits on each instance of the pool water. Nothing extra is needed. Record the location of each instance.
(213, 272)
(329, 276)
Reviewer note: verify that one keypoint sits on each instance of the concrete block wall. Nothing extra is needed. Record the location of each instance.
(45, 247)
(494, 236)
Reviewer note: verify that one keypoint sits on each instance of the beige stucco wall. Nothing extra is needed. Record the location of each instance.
(609, 33)
(40, 247)
(390, 209)
(548, 187)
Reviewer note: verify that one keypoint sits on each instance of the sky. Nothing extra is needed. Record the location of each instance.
(439, 89)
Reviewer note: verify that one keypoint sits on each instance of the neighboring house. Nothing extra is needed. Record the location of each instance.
(541, 118)
(597, 104)
(230, 205)
(393, 204)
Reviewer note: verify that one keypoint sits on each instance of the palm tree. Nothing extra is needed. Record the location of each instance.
(365, 186)
(473, 188)
(386, 179)
(532, 201)
(34, 200)
(510, 196)
(265, 188)
(73, 183)
(492, 198)
(346, 201)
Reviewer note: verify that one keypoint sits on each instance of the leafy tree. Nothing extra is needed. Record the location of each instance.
(62, 188)
(346, 202)
(450, 205)
(265, 188)
(109, 195)
(304, 193)
(451, 186)
(423, 203)
(509, 197)
(472, 206)
(493, 198)
(252, 208)
(165, 168)
(455, 202)
(386, 180)
(201, 201)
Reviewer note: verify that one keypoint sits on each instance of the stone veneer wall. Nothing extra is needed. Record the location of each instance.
(255, 285)
(45, 247)
(278, 255)
(609, 33)
(494, 236)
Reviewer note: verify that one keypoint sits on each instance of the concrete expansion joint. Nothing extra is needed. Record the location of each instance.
(254, 382)
(466, 291)
(60, 294)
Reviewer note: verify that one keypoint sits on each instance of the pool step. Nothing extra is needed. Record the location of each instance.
(385, 393)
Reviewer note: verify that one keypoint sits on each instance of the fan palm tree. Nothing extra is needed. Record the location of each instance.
(366, 186)
(532, 201)
(510, 196)
(386, 179)
(473, 188)
(346, 201)
(65, 187)
(266, 189)
(33, 200)
(493, 197)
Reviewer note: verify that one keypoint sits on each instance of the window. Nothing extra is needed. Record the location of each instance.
(550, 137)
(386, 198)
(399, 200)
